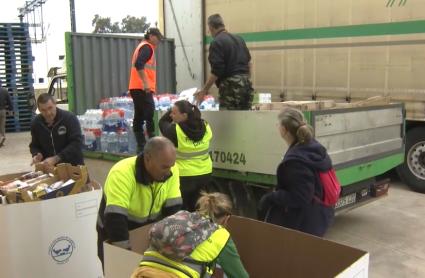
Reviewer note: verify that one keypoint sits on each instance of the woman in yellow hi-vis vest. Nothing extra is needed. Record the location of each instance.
(191, 135)
(199, 240)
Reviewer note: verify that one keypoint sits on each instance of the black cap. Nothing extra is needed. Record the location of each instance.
(155, 32)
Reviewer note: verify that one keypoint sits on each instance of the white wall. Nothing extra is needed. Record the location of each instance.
(189, 21)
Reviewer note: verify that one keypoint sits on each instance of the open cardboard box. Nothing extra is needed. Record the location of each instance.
(62, 172)
(52, 238)
(266, 251)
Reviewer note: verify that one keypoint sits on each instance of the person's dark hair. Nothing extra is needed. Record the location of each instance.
(215, 205)
(44, 98)
(156, 144)
(152, 31)
(293, 120)
(192, 111)
(216, 21)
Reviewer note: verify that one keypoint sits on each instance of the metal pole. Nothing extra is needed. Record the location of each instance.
(72, 11)
(42, 25)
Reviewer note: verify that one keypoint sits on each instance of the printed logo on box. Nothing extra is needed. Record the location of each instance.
(61, 249)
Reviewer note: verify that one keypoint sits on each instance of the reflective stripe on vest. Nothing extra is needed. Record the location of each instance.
(140, 203)
(182, 155)
(182, 269)
(149, 69)
(193, 158)
(201, 262)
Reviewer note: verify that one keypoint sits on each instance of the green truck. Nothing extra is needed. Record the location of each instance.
(294, 58)
(346, 51)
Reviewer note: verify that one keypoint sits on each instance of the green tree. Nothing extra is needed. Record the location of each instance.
(104, 25)
(129, 24)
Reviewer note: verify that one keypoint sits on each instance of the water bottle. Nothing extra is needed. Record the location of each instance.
(128, 108)
(104, 141)
(113, 142)
(113, 103)
(89, 140)
(208, 103)
(123, 142)
(132, 144)
(98, 133)
(164, 102)
(99, 119)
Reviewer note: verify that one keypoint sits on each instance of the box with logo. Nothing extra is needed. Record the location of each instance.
(266, 250)
(54, 237)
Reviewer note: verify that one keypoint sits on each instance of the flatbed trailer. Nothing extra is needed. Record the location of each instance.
(246, 148)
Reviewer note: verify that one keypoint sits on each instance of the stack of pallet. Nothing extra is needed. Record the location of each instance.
(313, 105)
(16, 73)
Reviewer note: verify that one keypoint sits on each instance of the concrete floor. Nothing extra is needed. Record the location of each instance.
(391, 229)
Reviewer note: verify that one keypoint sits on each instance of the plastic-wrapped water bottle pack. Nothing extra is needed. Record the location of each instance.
(109, 129)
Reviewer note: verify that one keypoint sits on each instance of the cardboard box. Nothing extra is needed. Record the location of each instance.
(266, 251)
(374, 101)
(264, 98)
(51, 238)
(62, 172)
(326, 104)
(304, 105)
(262, 106)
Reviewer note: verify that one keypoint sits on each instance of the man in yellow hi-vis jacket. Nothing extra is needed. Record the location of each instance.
(139, 190)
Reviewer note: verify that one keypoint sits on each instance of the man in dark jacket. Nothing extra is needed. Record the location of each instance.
(5, 105)
(55, 135)
(230, 68)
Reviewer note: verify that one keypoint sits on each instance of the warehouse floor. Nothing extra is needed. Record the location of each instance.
(391, 229)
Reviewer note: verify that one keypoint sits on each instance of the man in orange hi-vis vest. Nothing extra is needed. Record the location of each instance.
(142, 85)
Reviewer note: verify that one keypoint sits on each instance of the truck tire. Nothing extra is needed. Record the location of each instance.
(412, 171)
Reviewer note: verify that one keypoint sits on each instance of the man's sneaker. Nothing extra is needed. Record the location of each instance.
(2, 141)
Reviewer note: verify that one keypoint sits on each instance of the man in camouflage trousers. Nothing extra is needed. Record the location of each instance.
(236, 93)
(230, 59)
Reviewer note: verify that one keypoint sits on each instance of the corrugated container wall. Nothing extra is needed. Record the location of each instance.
(98, 66)
(166, 67)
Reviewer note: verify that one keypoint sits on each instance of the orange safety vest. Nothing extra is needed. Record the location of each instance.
(150, 69)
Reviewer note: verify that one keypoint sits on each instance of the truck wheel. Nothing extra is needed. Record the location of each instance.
(412, 171)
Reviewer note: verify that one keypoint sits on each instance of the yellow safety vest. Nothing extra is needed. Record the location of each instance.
(193, 158)
(201, 262)
(139, 202)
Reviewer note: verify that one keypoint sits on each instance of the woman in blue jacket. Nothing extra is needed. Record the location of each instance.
(295, 203)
